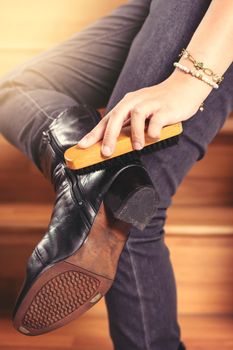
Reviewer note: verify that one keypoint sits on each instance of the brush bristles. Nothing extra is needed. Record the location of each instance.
(128, 157)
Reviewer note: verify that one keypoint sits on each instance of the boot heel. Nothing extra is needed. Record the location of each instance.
(132, 197)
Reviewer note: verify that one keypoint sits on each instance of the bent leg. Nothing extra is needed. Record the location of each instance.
(142, 301)
(82, 69)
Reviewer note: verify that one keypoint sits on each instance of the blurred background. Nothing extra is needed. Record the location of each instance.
(199, 230)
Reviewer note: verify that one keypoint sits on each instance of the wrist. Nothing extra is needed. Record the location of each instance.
(198, 88)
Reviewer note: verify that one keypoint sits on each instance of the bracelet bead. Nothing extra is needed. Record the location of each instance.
(196, 74)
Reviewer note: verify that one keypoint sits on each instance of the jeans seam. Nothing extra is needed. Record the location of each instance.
(30, 98)
(139, 296)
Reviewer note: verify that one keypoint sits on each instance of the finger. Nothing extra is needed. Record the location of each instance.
(155, 125)
(94, 135)
(113, 130)
(139, 113)
(116, 117)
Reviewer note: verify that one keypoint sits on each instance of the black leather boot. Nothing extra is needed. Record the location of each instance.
(74, 264)
(181, 346)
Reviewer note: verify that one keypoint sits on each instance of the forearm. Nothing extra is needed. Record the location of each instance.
(211, 43)
(178, 97)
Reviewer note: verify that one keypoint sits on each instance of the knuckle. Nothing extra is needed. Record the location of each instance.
(113, 114)
(137, 110)
(104, 120)
(128, 95)
(137, 136)
(89, 136)
(108, 138)
(94, 131)
(156, 121)
(155, 134)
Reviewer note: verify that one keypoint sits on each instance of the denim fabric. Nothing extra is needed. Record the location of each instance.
(131, 48)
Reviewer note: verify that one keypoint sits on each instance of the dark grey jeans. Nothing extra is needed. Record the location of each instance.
(131, 48)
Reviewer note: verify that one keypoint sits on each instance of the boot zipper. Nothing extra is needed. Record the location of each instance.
(76, 194)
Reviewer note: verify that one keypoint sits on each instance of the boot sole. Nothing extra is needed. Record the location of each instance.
(64, 291)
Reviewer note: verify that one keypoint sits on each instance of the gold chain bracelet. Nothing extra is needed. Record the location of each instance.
(200, 65)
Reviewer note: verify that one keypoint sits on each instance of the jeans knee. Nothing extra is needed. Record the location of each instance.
(154, 231)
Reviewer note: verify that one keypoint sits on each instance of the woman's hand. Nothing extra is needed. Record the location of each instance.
(176, 99)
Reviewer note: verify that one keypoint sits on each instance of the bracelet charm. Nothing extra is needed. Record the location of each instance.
(200, 66)
(196, 74)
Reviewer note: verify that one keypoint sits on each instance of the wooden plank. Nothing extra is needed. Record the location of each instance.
(203, 269)
(208, 183)
(20, 180)
(29, 217)
(228, 125)
(90, 332)
(217, 163)
(23, 217)
(199, 221)
(204, 192)
(204, 332)
(201, 254)
(31, 186)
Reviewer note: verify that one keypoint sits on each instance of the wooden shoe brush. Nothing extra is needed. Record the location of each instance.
(91, 158)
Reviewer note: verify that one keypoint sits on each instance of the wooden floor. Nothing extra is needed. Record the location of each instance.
(90, 332)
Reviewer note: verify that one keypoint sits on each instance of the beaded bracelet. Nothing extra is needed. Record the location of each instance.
(195, 74)
(200, 65)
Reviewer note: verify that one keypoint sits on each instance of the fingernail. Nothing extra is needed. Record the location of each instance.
(137, 145)
(106, 150)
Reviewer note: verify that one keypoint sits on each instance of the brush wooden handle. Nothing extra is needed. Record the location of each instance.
(77, 158)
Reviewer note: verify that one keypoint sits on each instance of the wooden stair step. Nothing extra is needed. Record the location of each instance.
(209, 182)
(200, 221)
(225, 134)
(200, 242)
(91, 331)
(21, 181)
(186, 220)
(23, 217)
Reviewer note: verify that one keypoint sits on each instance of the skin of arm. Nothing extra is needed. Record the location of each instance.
(179, 96)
